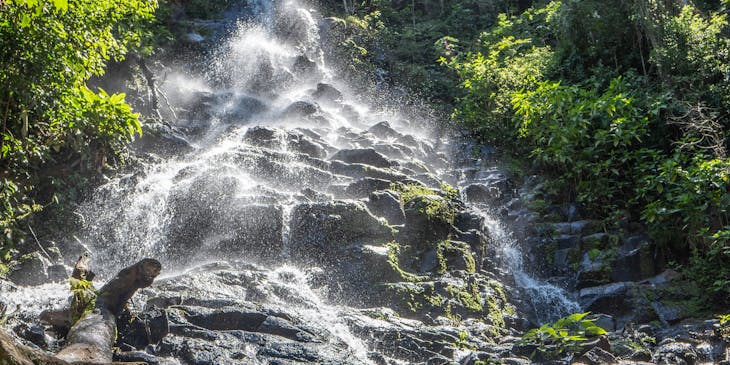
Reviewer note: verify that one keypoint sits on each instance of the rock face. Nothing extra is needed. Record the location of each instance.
(321, 229)
(366, 156)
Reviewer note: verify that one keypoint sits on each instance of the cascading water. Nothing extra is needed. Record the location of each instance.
(548, 302)
(265, 122)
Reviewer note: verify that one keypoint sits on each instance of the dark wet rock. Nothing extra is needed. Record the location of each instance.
(383, 130)
(676, 353)
(32, 269)
(35, 334)
(257, 231)
(604, 321)
(224, 319)
(594, 270)
(597, 356)
(456, 256)
(637, 260)
(315, 196)
(282, 327)
(367, 156)
(327, 92)
(429, 180)
(58, 272)
(416, 167)
(424, 226)
(135, 356)
(359, 171)
(139, 331)
(208, 207)
(624, 301)
(670, 313)
(467, 220)
(480, 244)
(363, 187)
(303, 65)
(304, 145)
(480, 193)
(387, 204)
(318, 229)
(300, 109)
(263, 137)
(201, 106)
(350, 113)
(391, 151)
(245, 108)
(596, 241)
(162, 141)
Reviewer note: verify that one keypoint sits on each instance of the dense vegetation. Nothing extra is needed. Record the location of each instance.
(622, 104)
(56, 132)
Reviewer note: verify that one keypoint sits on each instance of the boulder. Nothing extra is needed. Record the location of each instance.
(358, 171)
(139, 331)
(327, 92)
(304, 145)
(253, 231)
(319, 230)
(303, 65)
(429, 219)
(32, 269)
(163, 142)
(597, 356)
(300, 109)
(467, 220)
(387, 204)
(244, 109)
(636, 260)
(363, 187)
(594, 270)
(383, 130)
(675, 353)
(481, 193)
(391, 151)
(456, 256)
(263, 137)
(58, 272)
(365, 156)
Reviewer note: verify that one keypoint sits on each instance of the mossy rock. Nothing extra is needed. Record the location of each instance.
(455, 255)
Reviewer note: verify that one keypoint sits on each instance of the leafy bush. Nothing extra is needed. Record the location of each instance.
(622, 104)
(564, 336)
(595, 139)
(513, 56)
(48, 50)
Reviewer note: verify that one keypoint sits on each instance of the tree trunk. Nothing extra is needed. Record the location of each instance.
(92, 337)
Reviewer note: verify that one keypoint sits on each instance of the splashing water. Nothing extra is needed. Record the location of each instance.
(548, 302)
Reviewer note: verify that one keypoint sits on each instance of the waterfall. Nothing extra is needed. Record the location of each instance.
(263, 123)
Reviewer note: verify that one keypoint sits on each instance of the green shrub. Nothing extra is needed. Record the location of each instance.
(49, 117)
(564, 336)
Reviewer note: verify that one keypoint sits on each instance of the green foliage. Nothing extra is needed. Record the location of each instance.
(356, 38)
(49, 117)
(84, 298)
(509, 59)
(724, 318)
(622, 104)
(693, 57)
(594, 138)
(564, 336)
(435, 204)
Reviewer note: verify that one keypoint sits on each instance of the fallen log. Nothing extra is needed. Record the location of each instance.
(92, 336)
